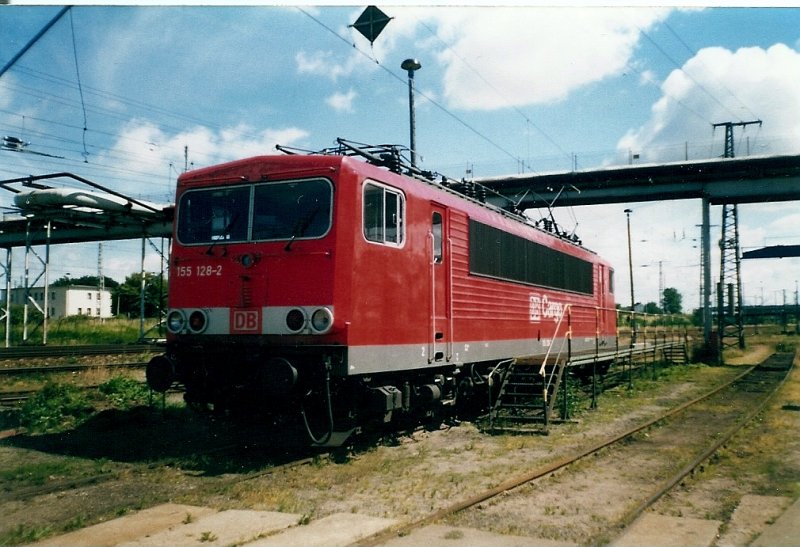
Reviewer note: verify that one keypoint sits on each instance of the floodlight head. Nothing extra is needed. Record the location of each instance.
(411, 65)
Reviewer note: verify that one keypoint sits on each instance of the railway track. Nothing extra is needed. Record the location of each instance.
(231, 463)
(751, 391)
(37, 352)
(14, 398)
(50, 369)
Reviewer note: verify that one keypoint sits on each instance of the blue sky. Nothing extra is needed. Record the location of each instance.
(500, 91)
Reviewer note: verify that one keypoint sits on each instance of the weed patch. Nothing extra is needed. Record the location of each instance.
(55, 408)
(22, 534)
(59, 407)
(124, 393)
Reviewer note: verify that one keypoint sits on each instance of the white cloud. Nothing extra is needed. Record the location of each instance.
(6, 96)
(500, 57)
(716, 86)
(321, 63)
(142, 146)
(342, 102)
(719, 85)
(534, 55)
(647, 77)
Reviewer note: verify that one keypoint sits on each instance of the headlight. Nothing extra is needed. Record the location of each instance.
(322, 320)
(198, 321)
(176, 321)
(295, 320)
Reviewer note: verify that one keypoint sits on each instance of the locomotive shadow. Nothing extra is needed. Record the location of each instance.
(180, 437)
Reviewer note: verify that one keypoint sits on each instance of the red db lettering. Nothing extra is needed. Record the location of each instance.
(246, 321)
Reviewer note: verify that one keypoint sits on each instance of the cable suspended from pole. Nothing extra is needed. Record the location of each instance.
(85, 153)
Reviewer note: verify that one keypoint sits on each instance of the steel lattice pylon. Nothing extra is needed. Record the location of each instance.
(729, 290)
(730, 323)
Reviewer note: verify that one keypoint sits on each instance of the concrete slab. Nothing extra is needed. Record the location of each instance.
(450, 536)
(332, 531)
(129, 527)
(664, 531)
(751, 517)
(233, 527)
(784, 532)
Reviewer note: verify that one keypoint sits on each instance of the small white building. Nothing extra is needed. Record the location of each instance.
(68, 300)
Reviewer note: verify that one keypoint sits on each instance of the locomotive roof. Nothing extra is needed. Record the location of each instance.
(386, 157)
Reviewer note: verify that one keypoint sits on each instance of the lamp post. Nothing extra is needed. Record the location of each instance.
(411, 65)
(630, 272)
(630, 255)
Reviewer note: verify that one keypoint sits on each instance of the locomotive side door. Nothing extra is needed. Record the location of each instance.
(441, 302)
(601, 298)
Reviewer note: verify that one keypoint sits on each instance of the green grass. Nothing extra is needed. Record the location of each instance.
(56, 407)
(60, 407)
(35, 473)
(23, 534)
(80, 330)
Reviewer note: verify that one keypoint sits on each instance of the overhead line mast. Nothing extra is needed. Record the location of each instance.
(730, 320)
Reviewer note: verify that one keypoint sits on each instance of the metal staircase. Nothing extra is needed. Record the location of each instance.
(675, 354)
(529, 387)
(527, 395)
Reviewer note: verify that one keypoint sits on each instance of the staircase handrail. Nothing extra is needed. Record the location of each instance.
(543, 368)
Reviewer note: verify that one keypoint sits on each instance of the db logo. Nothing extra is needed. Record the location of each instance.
(246, 321)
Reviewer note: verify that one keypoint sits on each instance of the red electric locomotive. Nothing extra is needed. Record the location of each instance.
(344, 293)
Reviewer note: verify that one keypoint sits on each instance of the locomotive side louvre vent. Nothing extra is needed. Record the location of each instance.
(246, 293)
(495, 253)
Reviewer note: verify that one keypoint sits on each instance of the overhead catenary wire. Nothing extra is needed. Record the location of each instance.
(430, 99)
(649, 80)
(494, 88)
(33, 40)
(700, 86)
(115, 97)
(89, 92)
(721, 84)
(80, 88)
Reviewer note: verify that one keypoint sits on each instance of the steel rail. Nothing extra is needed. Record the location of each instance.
(669, 484)
(515, 482)
(26, 352)
(50, 369)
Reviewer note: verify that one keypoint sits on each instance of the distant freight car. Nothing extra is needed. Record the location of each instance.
(345, 294)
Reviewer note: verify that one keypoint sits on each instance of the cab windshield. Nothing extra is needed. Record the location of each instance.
(287, 210)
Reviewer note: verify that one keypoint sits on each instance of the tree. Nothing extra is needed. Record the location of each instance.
(129, 295)
(673, 301)
(652, 307)
(86, 280)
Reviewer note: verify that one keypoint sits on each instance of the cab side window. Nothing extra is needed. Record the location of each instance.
(436, 230)
(384, 210)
